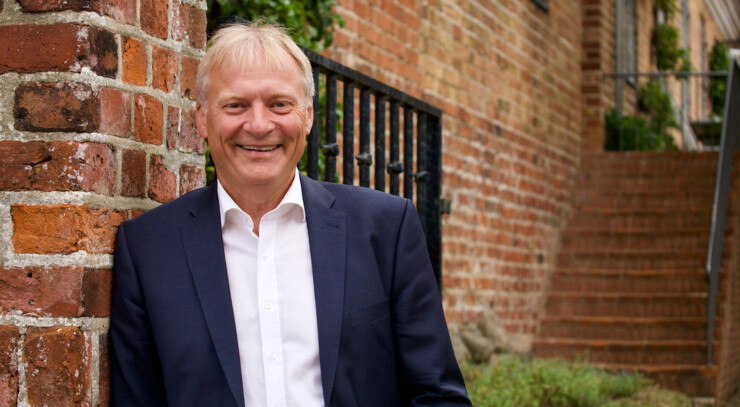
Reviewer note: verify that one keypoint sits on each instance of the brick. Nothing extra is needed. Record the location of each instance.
(123, 11)
(189, 22)
(148, 119)
(133, 173)
(154, 19)
(190, 139)
(188, 77)
(104, 370)
(56, 106)
(162, 182)
(56, 367)
(42, 291)
(8, 364)
(54, 5)
(59, 48)
(96, 292)
(134, 62)
(191, 177)
(173, 126)
(63, 229)
(164, 68)
(57, 166)
(115, 112)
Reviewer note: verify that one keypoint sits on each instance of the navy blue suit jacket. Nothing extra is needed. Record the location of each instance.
(383, 340)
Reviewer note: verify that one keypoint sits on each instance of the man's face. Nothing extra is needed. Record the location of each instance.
(256, 124)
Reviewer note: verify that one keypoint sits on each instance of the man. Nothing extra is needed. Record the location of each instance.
(269, 288)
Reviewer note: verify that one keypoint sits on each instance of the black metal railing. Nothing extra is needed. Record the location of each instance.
(403, 153)
(728, 146)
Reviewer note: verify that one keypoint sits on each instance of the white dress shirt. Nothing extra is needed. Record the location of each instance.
(271, 285)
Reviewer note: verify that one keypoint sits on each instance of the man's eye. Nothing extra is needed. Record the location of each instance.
(233, 106)
(281, 105)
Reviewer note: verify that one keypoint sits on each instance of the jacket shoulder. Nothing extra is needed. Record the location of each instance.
(169, 212)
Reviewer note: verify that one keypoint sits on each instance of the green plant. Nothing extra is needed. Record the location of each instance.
(656, 102)
(634, 133)
(665, 40)
(719, 60)
(311, 23)
(669, 7)
(515, 382)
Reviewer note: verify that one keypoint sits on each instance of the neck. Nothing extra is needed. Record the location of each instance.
(257, 200)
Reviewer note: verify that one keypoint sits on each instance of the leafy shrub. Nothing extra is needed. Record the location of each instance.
(665, 41)
(719, 60)
(634, 134)
(514, 382)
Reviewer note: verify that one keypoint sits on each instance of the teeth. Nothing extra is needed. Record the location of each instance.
(260, 148)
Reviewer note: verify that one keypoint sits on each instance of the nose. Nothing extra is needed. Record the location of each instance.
(258, 121)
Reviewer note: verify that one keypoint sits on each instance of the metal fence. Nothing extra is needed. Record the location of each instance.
(395, 142)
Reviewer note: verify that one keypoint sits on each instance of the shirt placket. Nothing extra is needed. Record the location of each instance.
(269, 315)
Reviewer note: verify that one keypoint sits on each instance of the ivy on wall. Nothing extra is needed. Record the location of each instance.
(649, 130)
(719, 60)
(666, 41)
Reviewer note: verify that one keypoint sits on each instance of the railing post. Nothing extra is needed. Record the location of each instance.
(348, 133)
(408, 152)
(365, 158)
(730, 132)
(433, 211)
(394, 167)
(313, 136)
(379, 142)
(330, 148)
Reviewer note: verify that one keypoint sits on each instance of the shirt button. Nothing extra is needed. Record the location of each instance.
(273, 356)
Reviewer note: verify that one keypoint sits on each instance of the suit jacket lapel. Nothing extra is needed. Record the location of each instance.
(201, 237)
(327, 236)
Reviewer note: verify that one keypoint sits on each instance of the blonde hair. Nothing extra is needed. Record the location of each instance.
(242, 44)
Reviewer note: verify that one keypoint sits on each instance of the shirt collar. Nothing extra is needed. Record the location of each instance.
(292, 199)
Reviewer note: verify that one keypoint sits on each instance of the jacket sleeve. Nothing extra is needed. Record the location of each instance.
(428, 371)
(136, 375)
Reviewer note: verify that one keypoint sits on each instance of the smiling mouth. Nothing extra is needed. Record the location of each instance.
(258, 148)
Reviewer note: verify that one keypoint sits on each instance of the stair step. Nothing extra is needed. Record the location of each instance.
(650, 281)
(641, 305)
(633, 259)
(625, 351)
(627, 163)
(602, 241)
(621, 328)
(667, 220)
(659, 197)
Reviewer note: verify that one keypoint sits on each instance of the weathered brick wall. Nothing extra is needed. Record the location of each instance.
(507, 76)
(96, 126)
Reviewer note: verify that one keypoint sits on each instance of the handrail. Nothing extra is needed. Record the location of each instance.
(730, 132)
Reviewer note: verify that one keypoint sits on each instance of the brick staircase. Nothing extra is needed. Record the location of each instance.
(629, 291)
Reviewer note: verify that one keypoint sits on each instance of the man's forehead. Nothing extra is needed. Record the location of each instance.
(278, 61)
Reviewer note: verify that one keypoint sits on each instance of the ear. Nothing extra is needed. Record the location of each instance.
(200, 120)
(309, 119)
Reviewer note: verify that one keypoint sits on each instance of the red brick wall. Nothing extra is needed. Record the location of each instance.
(96, 126)
(507, 76)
